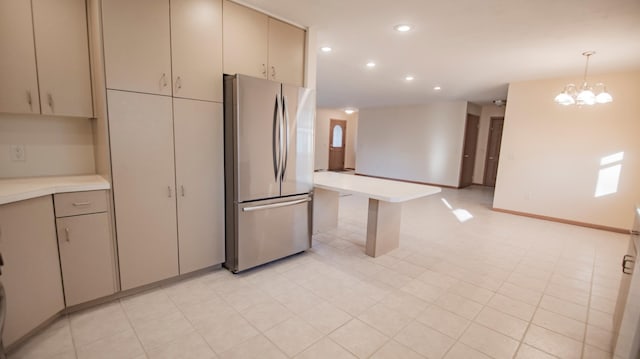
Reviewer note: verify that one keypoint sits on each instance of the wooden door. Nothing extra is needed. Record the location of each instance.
(196, 49)
(86, 257)
(245, 38)
(62, 48)
(286, 53)
(200, 180)
(469, 150)
(19, 84)
(337, 143)
(136, 45)
(493, 151)
(31, 271)
(141, 128)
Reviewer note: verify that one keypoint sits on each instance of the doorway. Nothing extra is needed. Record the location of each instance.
(337, 137)
(493, 151)
(469, 150)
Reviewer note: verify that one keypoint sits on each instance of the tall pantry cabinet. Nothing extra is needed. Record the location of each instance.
(164, 79)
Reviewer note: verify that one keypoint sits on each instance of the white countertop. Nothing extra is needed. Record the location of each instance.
(376, 188)
(18, 189)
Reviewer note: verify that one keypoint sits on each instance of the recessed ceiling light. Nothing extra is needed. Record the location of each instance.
(437, 88)
(409, 78)
(326, 49)
(402, 27)
(349, 111)
(371, 64)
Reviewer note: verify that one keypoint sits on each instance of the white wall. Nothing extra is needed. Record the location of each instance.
(416, 143)
(53, 145)
(486, 113)
(551, 154)
(323, 117)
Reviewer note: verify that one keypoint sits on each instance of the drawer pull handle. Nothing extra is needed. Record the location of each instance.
(80, 204)
(66, 231)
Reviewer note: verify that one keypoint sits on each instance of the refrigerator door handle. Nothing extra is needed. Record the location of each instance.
(276, 139)
(276, 205)
(285, 111)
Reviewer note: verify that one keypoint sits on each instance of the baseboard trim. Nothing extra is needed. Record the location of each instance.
(408, 181)
(562, 220)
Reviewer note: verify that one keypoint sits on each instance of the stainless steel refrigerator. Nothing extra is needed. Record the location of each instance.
(268, 170)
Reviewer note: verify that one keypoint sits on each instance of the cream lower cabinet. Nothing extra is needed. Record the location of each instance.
(200, 178)
(150, 232)
(86, 246)
(31, 272)
(142, 159)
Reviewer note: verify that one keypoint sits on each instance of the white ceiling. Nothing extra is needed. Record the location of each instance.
(472, 48)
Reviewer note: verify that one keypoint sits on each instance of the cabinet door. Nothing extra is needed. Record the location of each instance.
(86, 257)
(19, 85)
(196, 49)
(141, 129)
(286, 53)
(137, 46)
(62, 48)
(244, 40)
(200, 180)
(31, 272)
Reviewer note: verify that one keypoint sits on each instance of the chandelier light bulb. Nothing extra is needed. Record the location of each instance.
(604, 97)
(570, 95)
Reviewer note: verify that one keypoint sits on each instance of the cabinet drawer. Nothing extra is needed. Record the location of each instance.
(74, 203)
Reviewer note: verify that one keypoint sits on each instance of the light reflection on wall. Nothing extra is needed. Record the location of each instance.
(609, 174)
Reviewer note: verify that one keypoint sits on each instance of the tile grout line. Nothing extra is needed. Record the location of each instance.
(586, 324)
(524, 335)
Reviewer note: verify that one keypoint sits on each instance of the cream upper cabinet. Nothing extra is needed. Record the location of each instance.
(31, 271)
(286, 53)
(61, 53)
(196, 49)
(164, 47)
(137, 45)
(200, 183)
(19, 85)
(141, 129)
(257, 45)
(62, 48)
(245, 40)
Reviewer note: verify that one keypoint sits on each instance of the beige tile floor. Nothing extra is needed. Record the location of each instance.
(493, 286)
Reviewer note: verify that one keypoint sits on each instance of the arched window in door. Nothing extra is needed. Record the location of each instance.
(336, 140)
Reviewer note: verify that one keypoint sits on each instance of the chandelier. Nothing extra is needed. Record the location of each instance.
(586, 94)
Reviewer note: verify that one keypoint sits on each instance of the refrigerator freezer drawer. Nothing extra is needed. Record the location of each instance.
(270, 230)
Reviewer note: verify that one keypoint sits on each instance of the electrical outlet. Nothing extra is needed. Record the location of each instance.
(17, 153)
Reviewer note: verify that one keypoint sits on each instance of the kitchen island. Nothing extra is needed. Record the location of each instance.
(385, 205)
